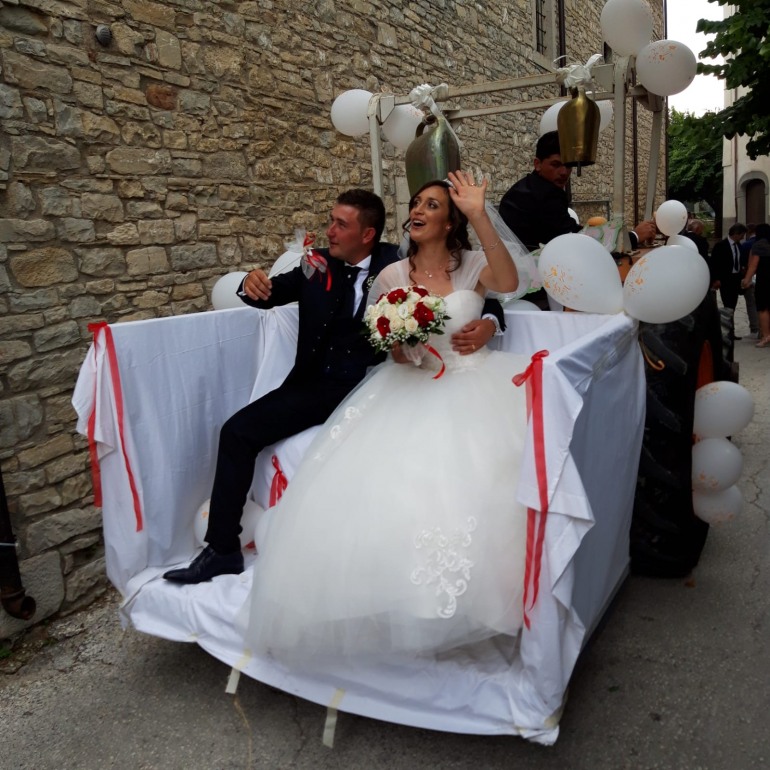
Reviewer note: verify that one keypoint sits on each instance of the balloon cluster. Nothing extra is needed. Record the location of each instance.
(722, 409)
(663, 67)
(350, 117)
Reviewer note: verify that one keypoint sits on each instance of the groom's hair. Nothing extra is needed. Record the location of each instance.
(547, 145)
(371, 209)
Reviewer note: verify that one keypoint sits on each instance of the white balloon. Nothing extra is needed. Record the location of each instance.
(548, 122)
(401, 125)
(521, 306)
(223, 294)
(605, 113)
(681, 240)
(201, 523)
(716, 464)
(579, 273)
(349, 112)
(665, 67)
(722, 409)
(574, 215)
(717, 507)
(249, 521)
(671, 217)
(626, 25)
(287, 261)
(665, 284)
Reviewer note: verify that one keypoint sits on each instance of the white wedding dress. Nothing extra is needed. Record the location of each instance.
(400, 533)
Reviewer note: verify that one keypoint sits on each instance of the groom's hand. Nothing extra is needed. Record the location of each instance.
(257, 285)
(473, 336)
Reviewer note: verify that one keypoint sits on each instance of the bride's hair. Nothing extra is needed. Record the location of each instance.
(457, 239)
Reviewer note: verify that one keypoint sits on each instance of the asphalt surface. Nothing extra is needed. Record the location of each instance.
(677, 677)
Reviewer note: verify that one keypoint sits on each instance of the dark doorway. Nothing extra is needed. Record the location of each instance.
(755, 201)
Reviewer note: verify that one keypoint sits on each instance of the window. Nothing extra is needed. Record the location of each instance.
(547, 33)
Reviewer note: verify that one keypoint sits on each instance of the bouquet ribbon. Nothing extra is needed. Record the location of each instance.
(314, 263)
(533, 377)
(435, 352)
(103, 330)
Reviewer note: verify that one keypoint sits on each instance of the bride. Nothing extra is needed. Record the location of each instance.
(400, 533)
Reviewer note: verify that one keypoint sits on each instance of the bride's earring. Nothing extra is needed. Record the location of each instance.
(449, 227)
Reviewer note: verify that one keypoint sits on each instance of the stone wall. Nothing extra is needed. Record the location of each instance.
(133, 175)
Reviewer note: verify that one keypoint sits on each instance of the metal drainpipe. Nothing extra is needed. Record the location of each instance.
(12, 595)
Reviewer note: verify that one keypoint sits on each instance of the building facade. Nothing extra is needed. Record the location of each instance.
(188, 140)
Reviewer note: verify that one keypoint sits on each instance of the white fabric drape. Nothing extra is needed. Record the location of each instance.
(182, 377)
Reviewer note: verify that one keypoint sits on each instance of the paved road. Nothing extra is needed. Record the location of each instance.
(678, 677)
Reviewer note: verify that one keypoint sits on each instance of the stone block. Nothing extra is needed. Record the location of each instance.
(64, 468)
(161, 96)
(60, 527)
(151, 299)
(124, 235)
(100, 128)
(23, 20)
(129, 160)
(33, 300)
(56, 202)
(13, 350)
(85, 307)
(57, 336)
(44, 267)
(149, 261)
(48, 450)
(41, 501)
(31, 74)
(193, 256)
(88, 94)
(108, 208)
(19, 483)
(48, 369)
(156, 231)
(83, 580)
(75, 230)
(42, 579)
(225, 165)
(185, 227)
(23, 230)
(11, 106)
(169, 50)
(102, 261)
(40, 154)
(157, 14)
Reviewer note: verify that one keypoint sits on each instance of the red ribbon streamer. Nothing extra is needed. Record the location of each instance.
(533, 377)
(117, 390)
(438, 355)
(279, 482)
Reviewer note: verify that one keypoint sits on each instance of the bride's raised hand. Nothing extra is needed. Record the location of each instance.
(466, 194)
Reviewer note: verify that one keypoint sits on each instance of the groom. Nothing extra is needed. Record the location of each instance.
(332, 357)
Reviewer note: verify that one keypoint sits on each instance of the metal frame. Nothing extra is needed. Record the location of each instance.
(614, 79)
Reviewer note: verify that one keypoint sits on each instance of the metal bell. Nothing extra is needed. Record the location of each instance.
(433, 153)
(578, 124)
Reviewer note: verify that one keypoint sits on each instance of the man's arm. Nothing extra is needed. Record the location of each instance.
(258, 290)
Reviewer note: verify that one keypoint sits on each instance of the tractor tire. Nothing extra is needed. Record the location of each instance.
(666, 536)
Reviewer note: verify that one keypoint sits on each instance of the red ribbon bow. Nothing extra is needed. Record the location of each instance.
(314, 263)
(117, 390)
(533, 377)
(279, 483)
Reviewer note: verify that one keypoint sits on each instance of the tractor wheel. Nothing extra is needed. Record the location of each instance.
(666, 536)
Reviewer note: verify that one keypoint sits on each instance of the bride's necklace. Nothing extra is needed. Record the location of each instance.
(437, 271)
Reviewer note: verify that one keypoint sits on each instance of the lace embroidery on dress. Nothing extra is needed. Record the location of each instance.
(446, 567)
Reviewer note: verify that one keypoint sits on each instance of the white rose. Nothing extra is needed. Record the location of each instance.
(391, 313)
(396, 324)
(403, 310)
(411, 325)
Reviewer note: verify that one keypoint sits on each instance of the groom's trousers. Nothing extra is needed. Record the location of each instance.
(285, 411)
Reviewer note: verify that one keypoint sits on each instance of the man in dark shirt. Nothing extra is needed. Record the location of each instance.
(536, 208)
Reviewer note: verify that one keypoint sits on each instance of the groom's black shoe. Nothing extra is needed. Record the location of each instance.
(206, 565)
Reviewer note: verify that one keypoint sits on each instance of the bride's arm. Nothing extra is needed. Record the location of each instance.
(500, 274)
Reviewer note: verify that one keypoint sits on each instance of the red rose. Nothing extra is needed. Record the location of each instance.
(397, 295)
(423, 315)
(383, 326)
(420, 290)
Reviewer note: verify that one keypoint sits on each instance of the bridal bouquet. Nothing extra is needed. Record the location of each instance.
(407, 315)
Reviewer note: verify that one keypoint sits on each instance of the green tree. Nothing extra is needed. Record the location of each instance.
(742, 40)
(694, 160)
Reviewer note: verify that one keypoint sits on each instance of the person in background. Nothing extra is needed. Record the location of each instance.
(749, 293)
(759, 266)
(726, 268)
(536, 208)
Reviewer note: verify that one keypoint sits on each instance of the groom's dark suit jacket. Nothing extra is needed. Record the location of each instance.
(329, 345)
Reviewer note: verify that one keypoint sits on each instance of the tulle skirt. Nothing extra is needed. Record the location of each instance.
(400, 533)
